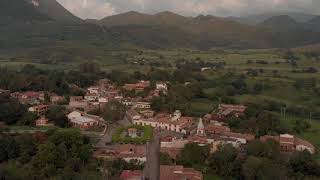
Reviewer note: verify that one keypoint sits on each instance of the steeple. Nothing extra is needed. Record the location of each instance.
(200, 128)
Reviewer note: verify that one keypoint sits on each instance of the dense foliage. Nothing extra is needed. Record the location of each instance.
(64, 153)
(259, 161)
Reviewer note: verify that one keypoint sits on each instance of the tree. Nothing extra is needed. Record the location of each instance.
(262, 168)
(10, 109)
(270, 149)
(224, 163)
(28, 118)
(113, 111)
(193, 155)
(268, 122)
(303, 165)
(165, 159)
(57, 114)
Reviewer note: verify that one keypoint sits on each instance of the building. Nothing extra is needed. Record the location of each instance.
(161, 86)
(91, 97)
(141, 105)
(55, 99)
(126, 152)
(3, 91)
(176, 122)
(131, 175)
(179, 173)
(132, 132)
(42, 122)
(93, 90)
(230, 109)
(166, 173)
(200, 128)
(83, 120)
(140, 86)
(40, 110)
(289, 143)
(132, 115)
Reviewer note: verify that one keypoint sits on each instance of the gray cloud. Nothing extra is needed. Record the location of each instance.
(101, 8)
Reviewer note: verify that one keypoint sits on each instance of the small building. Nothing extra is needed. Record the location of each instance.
(91, 97)
(230, 109)
(55, 99)
(127, 152)
(166, 173)
(179, 173)
(141, 105)
(289, 143)
(131, 175)
(132, 132)
(140, 86)
(161, 86)
(40, 110)
(42, 122)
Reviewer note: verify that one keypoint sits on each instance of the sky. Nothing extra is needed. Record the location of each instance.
(97, 9)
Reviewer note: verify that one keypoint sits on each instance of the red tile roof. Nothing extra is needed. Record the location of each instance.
(127, 174)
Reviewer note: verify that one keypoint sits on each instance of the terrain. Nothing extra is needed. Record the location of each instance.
(49, 25)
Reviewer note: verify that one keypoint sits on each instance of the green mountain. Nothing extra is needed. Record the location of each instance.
(259, 18)
(44, 25)
(55, 11)
(283, 22)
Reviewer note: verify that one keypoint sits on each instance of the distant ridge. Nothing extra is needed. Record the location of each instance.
(283, 22)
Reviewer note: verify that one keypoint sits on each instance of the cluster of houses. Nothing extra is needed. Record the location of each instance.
(166, 173)
(211, 130)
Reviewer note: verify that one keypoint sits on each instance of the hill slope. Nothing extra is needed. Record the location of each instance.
(55, 11)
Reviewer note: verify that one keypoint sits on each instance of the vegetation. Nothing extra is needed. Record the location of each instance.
(63, 153)
(262, 160)
(121, 136)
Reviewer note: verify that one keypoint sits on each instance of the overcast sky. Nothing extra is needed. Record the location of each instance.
(100, 8)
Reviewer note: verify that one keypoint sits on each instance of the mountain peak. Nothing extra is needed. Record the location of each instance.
(167, 13)
(280, 22)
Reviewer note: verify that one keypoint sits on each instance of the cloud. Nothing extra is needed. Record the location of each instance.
(102, 8)
(89, 9)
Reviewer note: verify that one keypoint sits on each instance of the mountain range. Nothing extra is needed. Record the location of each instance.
(30, 24)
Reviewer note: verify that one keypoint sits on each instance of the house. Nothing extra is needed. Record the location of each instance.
(176, 122)
(131, 175)
(147, 113)
(126, 152)
(132, 132)
(40, 110)
(230, 109)
(83, 120)
(55, 99)
(161, 86)
(166, 173)
(3, 91)
(91, 97)
(179, 173)
(76, 98)
(289, 143)
(42, 122)
(93, 90)
(140, 86)
(141, 105)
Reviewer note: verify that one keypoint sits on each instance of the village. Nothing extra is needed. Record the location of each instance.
(141, 125)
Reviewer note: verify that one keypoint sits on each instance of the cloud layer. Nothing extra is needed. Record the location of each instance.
(100, 8)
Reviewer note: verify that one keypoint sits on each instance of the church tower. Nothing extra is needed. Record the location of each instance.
(200, 128)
